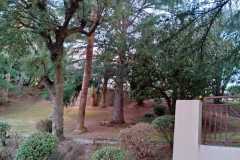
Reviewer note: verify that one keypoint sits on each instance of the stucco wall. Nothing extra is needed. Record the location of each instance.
(218, 153)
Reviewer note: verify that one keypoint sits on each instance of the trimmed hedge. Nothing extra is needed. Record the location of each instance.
(38, 146)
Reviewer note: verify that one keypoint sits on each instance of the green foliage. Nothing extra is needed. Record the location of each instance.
(148, 117)
(44, 125)
(4, 129)
(2, 100)
(38, 146)
(45, 94)
(159, 110)
(110, 153)
(165, 125)
(139, 141)
(7, 69)
(234, 90)
(168, 56)
(72, 86)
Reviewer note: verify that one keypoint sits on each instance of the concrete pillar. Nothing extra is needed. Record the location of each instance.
(187, 131)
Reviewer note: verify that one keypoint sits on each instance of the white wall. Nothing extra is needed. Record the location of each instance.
(218, 153)
(187, 128)
(187, 136)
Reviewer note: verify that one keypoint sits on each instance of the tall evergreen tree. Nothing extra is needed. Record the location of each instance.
(54, 21)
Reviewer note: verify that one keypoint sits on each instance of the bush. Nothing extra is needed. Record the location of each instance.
(139, 141)
(5, 153)
(44, 125)
(159, 110)
(165, 125)
(4, 129)
(45, 94)
(148, 117)
(38, 146)
(2, 100)
(110, 153)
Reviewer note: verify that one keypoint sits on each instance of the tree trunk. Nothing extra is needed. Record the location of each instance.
(85, 85)
(173, 106)
(7, 78)
(171, 102)
(92, 101)
(57, 101)
(96, 97)
(217, 89)
(21, 80)
(56, 92)
(93, 96)
(104, 92)
(118, 117)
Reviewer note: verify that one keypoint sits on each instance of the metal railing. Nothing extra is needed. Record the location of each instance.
(221, 120)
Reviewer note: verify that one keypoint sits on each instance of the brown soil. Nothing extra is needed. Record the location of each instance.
(69, 149)
(102, 128)
(97, 122)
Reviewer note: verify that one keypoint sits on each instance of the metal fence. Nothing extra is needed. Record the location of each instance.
(221, 121)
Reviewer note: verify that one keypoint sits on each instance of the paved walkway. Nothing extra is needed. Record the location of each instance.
(86, 140)
(92, 140)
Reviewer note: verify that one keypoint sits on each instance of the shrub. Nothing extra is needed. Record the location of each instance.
(4, 129)
(139, 141)
(159, 110)
(45, 94)
(44, 125)
(165, 125)
(148, 117)
(2, 153)
(2, 100)
(110, 153)
(5, 153)
(38, 146)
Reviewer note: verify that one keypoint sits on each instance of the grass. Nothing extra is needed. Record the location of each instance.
(223, 137)
(23, 119)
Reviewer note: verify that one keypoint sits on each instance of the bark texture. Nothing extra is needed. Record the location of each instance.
(104, 92)
(21, 80)
(57, 102)
(80, 128)
(118, 117)
(56, 92)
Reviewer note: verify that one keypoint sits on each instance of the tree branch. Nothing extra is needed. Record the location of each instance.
(69, 11)
(46, 82)
(210, 25)
(81, 30)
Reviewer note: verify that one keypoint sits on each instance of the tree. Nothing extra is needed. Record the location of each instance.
(86, 77)
(116, 40)
(170, 64)
(54, 22)
(15, 43)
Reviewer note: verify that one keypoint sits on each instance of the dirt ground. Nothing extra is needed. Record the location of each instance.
(100, 127)
(96, 121)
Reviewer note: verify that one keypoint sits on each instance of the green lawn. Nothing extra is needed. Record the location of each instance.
(23, 119)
